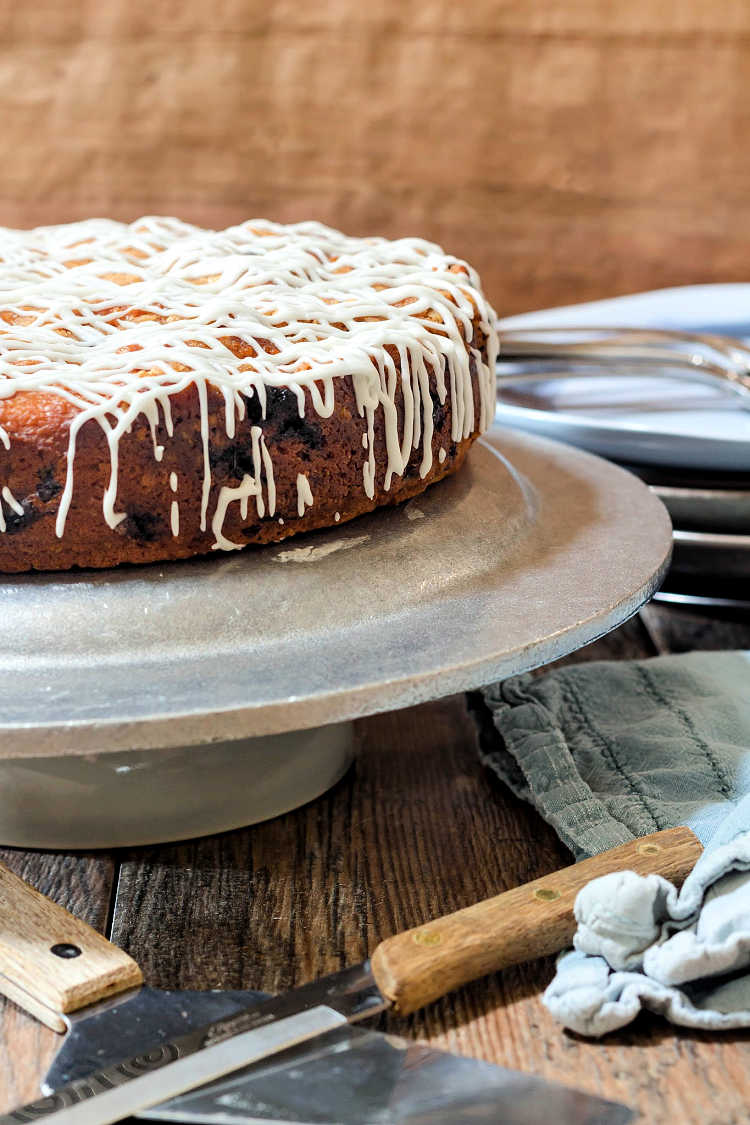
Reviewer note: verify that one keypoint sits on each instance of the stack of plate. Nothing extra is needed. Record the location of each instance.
(690, 441)
(711, 518)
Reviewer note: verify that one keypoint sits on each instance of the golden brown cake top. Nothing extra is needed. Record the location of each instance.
(116, 319)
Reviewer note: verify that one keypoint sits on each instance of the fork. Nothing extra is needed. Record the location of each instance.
(706, 357)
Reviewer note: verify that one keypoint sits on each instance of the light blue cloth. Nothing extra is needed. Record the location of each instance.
(640, 944)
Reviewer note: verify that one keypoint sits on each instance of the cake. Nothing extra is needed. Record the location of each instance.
(167, 391)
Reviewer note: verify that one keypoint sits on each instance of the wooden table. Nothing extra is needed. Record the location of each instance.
(415, 829)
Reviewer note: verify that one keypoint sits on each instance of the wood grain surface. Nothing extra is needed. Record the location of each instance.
(416, 829)
(571, 149)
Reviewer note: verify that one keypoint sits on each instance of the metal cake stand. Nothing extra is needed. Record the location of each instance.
(167, 701)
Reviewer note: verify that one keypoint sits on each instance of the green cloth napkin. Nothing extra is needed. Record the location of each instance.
(608, 751)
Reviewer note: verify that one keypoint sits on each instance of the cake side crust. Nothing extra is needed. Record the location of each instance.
(327, 452)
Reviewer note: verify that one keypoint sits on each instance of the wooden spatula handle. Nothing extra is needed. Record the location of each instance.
(420, 965)
(52, 962)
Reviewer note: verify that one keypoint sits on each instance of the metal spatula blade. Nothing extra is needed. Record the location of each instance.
(351, 1075)
(359, 1077)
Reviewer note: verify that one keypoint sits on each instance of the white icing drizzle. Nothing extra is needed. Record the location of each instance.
(174, 511)
(441, 456)
(249, 487)
(117, 319)
(304, 494)
(337, 517)
(12, 503)
(270, 482)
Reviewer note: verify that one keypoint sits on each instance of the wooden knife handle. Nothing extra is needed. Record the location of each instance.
(52, 962)
(420, 965)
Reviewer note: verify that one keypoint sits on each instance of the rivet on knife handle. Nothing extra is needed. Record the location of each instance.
(51, 962)
(420, 965)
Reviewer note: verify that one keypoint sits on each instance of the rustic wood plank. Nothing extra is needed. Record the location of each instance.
(684, 630)
(83, 884)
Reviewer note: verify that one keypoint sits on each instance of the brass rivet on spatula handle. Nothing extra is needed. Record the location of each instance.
(647, 849)
(546, 894)
(425, 937)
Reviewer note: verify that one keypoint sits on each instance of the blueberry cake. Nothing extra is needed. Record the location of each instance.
(168, 391)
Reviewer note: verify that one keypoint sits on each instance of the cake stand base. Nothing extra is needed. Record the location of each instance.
(120, 799)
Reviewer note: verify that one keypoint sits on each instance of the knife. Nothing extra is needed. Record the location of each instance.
(63, 972)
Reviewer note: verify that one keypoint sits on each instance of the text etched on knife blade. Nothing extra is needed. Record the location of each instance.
(97, 1083)
(136, 1067)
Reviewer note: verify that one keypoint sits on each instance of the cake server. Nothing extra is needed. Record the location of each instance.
(358, 1077)
(123, 1054)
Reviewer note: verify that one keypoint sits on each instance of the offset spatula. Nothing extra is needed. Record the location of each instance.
(126, 1053)
(358, 1077)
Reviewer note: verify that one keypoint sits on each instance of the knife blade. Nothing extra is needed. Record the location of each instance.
(55, 965)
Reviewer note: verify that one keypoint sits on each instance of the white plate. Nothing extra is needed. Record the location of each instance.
(653, 420)
(634, 418)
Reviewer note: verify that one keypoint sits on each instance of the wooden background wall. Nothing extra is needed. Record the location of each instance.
(569, 148)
